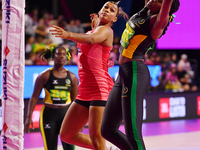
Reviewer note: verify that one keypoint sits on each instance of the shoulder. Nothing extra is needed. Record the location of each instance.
(73, 76)
(44, 74)
(104, 28)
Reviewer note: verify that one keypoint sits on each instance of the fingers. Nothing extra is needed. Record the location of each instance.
(59, 32)
(56, 32)
(53, 30)
(92, 16)
(54, 26)
(26, 129)
(32, 125)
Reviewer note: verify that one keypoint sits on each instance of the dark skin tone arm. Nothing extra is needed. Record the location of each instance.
(74, 91)
(159, 21)
(39, 84)
(43, 78)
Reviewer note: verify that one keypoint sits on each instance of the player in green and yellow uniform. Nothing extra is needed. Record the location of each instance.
(60, 90)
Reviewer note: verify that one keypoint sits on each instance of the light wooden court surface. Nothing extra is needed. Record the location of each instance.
(187, 138)
(179, 141)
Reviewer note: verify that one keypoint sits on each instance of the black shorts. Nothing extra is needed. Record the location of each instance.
(91, 103)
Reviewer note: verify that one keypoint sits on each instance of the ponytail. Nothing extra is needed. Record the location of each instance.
(49, 53)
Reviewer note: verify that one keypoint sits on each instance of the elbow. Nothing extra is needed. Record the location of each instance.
(91, 40)
(162, 24)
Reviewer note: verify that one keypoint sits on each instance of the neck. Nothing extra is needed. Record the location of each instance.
(58, 68)
(102, 23)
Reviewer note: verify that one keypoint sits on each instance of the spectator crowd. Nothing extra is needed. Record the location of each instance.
(177, 75)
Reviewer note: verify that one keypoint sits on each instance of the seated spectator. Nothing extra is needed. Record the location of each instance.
(157, 59)
(71, 27)
(172, 82)
(39, 61)
(61, 21)
(28, 46)
(174, 58)
(55, 40)
(31, 59)
(74, 55)
(29, 29)
(81, 26)
(116, 40)
(166, 63)
(186, 65)
(185, 80)
(151, 59)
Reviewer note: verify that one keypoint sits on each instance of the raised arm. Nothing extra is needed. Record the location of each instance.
(161, 20)
(100, 35)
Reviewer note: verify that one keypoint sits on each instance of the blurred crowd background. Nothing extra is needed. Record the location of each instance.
(180, 73)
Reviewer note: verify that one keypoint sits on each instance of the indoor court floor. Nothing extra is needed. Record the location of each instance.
(164, 135)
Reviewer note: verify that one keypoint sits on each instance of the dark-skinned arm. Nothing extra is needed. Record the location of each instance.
(33, 101)
(162, 19)
(74, 91)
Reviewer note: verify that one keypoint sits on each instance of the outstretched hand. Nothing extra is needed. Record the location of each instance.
(59, 32)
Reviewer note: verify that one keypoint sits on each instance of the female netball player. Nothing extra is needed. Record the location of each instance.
(126, 97)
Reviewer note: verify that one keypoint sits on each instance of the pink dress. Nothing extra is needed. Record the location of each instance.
(95, 82)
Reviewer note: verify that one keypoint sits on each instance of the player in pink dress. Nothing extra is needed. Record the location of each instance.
(95, 83)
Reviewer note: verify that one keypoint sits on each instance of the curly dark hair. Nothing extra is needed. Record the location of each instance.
(49, 53)
(174, 7)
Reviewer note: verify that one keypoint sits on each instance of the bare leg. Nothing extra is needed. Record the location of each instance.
(95, 120)
(75, 119)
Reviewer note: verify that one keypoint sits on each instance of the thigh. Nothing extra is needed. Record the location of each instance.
(95, 120)
(113, 111)
(48, 129)
(136, 80)
(74, 120)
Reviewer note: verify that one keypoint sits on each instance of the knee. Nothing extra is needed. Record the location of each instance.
(65, 137)
(97, 140)
(106, 132)
(103, 131)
